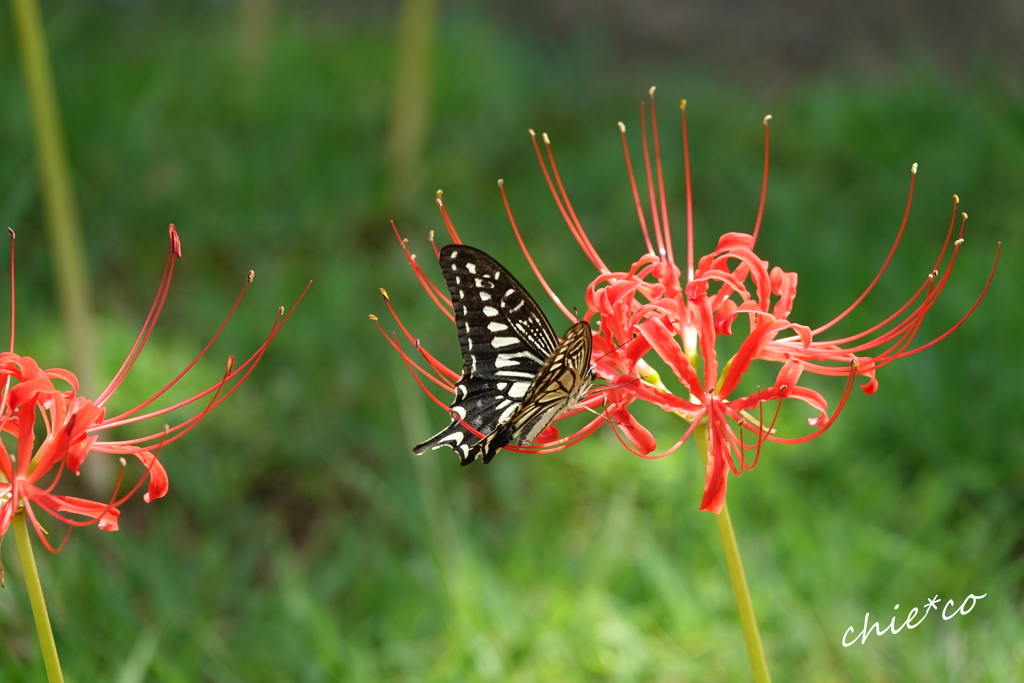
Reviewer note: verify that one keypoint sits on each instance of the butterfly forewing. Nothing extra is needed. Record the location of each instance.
(505, 338)
(517, 377)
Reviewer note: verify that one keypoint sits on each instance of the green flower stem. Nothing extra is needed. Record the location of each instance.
(748, 620)
(35, 595)
(416, 25)
(61, 207)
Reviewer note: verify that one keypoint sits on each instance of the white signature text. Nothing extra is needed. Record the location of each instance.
(965, 607)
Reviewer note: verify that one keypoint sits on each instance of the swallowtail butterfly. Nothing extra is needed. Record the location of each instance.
(516, 376)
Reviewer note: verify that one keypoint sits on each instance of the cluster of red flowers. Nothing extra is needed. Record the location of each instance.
(656, 306)
(73, 424)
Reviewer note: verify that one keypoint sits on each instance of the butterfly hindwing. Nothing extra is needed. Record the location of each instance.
(557, 387)
(505, 339)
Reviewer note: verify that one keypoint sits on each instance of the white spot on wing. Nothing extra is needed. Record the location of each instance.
(484, 296)
(471, 268)
(490, 311)
(505, 360)
(499, 342)
(518, 389)
(515, 373)
(507, 414)
(496, 327)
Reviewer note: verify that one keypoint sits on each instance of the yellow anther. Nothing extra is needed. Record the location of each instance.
(767, 118)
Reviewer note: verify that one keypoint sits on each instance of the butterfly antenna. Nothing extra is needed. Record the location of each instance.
(605, 417)
(633, 338)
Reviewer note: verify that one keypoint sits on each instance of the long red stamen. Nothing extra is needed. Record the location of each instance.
(924, 285)
(564, 442)
(764, 186)
(447, 386)
(447, 220)
(41, 532)
(173, 251)
(7, 382)
(437, 365)
(966, 315)
(668, 451)
(667, 233)
(689, 195)
(885, 264)
(574, 224)
(440, 299)
(529, 258)
(659, 238)
(414, 368)
(11, 346)
(636, 193)
(185, 371)
(851, 377)
(244, 369)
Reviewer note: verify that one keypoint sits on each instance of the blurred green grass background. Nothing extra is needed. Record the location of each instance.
(301, 540)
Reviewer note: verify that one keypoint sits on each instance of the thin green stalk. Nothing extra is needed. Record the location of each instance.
(35, 595)
(412, 98)
(745, 607)
(61, 207)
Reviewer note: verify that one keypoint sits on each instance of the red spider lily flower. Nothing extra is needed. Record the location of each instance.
(73, 424)
(679, 312)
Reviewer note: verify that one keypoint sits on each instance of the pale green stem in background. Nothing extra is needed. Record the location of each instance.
(63, 225)
(61, 208)
(412, 90)
(748, 620)
(255, 21)
(35, 595)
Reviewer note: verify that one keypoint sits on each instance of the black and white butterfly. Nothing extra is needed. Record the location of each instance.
(517, 376)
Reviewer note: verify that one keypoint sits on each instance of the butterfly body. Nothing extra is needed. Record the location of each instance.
(517, 377)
